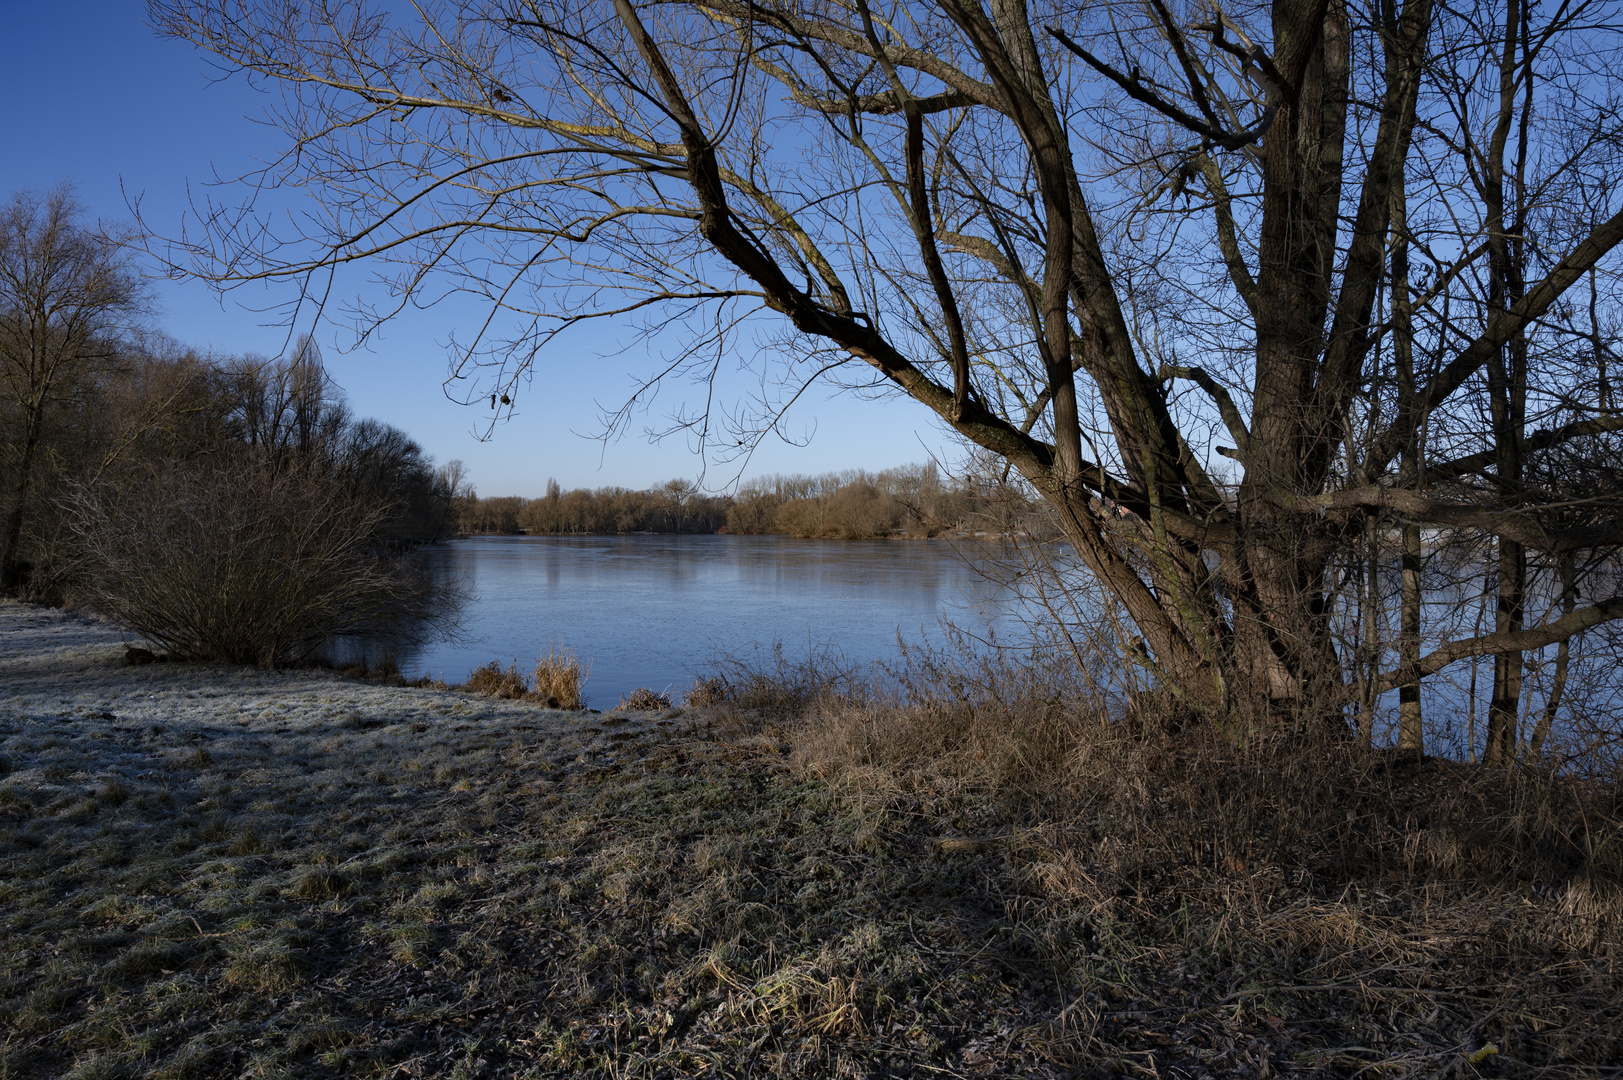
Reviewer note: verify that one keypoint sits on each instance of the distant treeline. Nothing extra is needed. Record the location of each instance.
(911, 501)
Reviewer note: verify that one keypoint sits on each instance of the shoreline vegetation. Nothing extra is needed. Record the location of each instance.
(231, 871)
(911, 502)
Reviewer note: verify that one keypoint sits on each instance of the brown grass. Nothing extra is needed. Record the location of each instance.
(1370, 910)
(986, 879)
(490, 680)
(643, 699)
(560, 678)
(557, 682)
(706, 692)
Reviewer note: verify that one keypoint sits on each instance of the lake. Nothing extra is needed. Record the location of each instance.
(653, 610)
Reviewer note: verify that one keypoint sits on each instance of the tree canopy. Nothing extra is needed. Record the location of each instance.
(1242, 292)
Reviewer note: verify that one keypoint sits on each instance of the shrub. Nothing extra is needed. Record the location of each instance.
(230, 558)
(559, 679)
(491, 680)
(708, 691)
(643, 699)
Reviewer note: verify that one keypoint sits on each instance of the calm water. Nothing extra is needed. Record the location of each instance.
(653, 610)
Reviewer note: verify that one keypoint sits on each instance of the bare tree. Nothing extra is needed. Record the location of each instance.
(66, 295)
(1117, 247)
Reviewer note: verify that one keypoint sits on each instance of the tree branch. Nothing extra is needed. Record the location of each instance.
(1510, 641)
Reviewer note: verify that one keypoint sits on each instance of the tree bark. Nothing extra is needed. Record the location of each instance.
(1507, 377)
(1411, 727)
(1563, 653)
(11, 572)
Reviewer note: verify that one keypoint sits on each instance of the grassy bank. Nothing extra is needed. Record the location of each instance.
(218, 872)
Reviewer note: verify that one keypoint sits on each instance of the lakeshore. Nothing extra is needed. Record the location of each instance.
(213, 871)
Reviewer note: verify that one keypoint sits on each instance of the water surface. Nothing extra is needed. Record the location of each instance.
(653, 610)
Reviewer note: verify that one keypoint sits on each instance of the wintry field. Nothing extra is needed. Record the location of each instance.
(212, 872)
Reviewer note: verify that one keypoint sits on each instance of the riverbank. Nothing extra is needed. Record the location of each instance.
(228, 872)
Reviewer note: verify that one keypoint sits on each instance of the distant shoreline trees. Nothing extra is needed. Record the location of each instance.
(911, 501)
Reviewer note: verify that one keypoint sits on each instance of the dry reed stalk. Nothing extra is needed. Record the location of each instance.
(643, 699)
(560, 678)
(490, 680)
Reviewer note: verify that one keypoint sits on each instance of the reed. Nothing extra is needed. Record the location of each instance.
(643, 699)
(560, 678)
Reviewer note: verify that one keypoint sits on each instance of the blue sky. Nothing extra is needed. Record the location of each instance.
(95, 98)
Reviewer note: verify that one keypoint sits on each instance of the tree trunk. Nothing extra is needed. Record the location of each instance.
(1504, 707)
(1507, 378)
(1372, 629)
(1558, 687)
(1411, 730)
(11, 571)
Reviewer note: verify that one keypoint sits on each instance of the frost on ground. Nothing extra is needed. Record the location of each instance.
(74, 718)
(219, 872)
(159, 824)
(223, 872)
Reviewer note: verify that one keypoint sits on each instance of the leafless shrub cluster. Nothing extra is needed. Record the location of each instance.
(230, 558)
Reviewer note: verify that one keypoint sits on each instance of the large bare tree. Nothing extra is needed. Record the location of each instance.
(67, 295)
(1226, 285)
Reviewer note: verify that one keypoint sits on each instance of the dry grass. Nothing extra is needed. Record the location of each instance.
(980, 885)
(707, 691)
(557, 682)
(1353, 912)
(560, 676)
(643, 699)
(489, 679)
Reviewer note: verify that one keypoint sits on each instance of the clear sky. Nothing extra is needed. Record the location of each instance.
(93, 97)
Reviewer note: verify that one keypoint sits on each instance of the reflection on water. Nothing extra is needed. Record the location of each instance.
(653, 610)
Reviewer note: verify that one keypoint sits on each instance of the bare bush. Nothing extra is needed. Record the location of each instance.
(230, 559)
